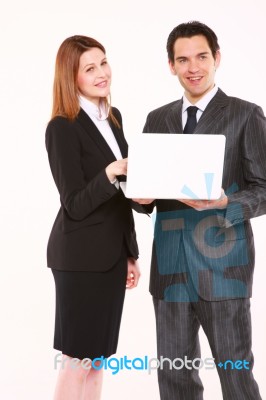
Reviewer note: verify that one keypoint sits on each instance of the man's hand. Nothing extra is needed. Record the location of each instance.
(201, 205)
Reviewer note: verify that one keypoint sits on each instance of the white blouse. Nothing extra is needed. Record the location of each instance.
(99, 118)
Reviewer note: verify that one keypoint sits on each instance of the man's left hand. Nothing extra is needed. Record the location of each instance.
(201, 205)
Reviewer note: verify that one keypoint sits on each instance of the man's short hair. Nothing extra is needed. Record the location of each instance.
(189, 29)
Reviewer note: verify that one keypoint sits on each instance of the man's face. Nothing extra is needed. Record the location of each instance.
(194, 66)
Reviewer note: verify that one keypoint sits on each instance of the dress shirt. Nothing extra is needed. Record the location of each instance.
(99, 118)
(201, 104)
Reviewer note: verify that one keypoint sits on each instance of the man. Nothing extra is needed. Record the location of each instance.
(203, 251)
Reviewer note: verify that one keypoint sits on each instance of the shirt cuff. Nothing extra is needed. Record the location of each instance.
(116, 183)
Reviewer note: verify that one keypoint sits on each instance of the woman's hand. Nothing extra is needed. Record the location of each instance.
(116, 168)
(133, 273)
(201, 205)
(143, 201)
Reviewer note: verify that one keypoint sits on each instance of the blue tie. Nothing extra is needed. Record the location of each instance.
(191, 119)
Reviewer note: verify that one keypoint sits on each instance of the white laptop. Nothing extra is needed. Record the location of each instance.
(175, 166)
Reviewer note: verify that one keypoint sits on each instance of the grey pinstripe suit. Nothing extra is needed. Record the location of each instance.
(187, 282)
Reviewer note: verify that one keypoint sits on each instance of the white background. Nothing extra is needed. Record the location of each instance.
(134, 34)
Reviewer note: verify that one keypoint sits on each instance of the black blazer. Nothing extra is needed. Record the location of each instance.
(95, 218)
(244, 179)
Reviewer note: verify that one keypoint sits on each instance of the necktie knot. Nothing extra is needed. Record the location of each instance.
(191, 119)
(192, 111)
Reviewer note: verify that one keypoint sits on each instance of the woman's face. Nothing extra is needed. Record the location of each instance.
(94, 75)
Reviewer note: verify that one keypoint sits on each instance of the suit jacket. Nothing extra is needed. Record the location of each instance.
(212, 252)
(95, 218)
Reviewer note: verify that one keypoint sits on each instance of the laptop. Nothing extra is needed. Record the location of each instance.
(175, 166)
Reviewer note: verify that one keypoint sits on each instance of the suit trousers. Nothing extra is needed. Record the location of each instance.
(227, 325)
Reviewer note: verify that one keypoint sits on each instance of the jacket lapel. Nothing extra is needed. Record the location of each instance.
(120, 138)
(213, 113)
(174, 118)
(90, 128)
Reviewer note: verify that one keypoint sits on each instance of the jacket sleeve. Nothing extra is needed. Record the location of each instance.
(78, 196)
(252, 199)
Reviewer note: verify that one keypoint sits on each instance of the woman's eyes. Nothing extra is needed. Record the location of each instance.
(91, 69)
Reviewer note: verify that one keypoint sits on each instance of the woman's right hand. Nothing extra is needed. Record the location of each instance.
(116, 168)
(143, 201)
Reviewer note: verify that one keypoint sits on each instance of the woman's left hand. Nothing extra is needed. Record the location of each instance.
(133, 273)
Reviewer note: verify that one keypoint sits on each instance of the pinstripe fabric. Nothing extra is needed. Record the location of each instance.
(195, 280)
(244, 126)
(227, 326)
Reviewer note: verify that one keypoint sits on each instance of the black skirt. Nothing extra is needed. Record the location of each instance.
(88, 310)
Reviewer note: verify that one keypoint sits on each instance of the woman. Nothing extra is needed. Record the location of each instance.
(92, 248)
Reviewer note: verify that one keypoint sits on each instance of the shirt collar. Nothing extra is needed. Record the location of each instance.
(101, 112)
(203, 102)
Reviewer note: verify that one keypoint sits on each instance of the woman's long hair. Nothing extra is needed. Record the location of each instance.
(65, 90)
